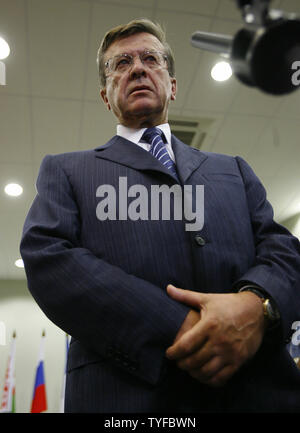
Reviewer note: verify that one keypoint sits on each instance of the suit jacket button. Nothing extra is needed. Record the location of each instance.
(199, 240)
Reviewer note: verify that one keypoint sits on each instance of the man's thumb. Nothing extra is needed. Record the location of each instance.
(189, 297)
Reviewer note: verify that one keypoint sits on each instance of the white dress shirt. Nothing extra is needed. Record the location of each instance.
(135, 136)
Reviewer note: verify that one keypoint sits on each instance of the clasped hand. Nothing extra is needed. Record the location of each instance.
(219, 334)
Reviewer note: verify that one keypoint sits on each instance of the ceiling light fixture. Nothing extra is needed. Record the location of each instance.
(221, 71)
(13, 189)
(19, 263)
(4, 52)
(4, 49)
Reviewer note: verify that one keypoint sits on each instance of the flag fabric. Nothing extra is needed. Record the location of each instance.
(8, 397)
(13, 400)
(62, 400)
(39, 399)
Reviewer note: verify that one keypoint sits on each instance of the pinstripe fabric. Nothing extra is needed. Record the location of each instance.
(158, 148)
(104, 282)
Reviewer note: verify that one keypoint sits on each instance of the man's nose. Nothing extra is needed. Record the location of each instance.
(137, 68)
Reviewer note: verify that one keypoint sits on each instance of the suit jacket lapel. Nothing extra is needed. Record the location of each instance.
(124, 152)
(187, 158)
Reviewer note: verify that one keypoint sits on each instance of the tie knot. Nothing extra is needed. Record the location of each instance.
(151, 133)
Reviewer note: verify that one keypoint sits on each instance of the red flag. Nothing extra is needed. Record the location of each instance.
(39, 399)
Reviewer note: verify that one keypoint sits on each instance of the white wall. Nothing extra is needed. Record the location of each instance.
(293, 224)
(19, 312)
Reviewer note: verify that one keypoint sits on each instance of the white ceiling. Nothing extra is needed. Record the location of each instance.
(51, 104)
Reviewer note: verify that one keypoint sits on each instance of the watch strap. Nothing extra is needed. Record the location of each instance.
(271, 312)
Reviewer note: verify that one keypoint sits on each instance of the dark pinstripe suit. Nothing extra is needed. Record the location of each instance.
(104, 282)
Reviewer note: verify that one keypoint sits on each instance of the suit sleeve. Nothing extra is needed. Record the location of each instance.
(277, 264)
(95, 302)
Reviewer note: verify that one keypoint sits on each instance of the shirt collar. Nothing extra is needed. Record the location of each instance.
(135, 135)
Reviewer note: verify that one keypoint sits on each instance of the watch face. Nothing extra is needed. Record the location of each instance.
(271, 311)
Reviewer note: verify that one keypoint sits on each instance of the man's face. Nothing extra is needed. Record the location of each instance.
(139, 97)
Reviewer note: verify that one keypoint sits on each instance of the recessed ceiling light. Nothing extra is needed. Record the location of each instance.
(221, 71)
(19, 263)
(4, 49)
(13, 189)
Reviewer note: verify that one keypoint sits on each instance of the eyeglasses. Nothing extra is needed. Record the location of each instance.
(123, 62)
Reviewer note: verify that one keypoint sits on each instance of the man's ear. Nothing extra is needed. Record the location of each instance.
(104, 98)
(173, 88)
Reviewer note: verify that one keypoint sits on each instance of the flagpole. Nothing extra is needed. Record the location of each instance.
(12, 374)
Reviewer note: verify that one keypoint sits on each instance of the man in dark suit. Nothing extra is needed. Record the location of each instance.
(162, 317)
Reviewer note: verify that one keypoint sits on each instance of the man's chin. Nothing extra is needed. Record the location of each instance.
(143, 107)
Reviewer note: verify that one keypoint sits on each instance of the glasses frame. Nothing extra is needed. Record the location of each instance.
(131, 57)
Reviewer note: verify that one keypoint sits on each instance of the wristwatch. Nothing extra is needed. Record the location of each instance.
(271, 312)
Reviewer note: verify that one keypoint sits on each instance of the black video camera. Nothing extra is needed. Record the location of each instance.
(265, 53)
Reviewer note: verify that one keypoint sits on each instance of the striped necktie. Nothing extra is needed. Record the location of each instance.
(153, 136)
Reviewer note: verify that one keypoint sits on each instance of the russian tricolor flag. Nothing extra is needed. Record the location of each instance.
(39, 399)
